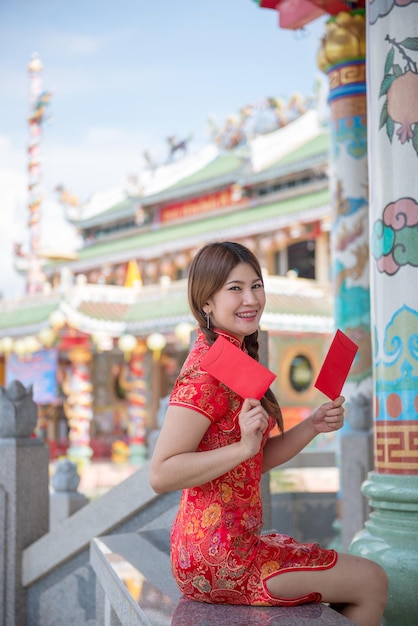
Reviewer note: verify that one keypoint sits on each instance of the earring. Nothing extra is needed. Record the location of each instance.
(207, 315)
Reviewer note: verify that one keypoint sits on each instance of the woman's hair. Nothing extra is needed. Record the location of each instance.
(208, 273)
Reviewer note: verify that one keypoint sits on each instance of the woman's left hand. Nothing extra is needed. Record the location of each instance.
(329, 416)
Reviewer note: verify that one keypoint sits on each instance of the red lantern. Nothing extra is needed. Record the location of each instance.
(333, 7)
(294, 14)
(268, 4)
(72, 340)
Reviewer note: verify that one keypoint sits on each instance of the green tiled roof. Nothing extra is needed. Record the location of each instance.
(128, 203)
(122, 209)
(26, 316)
(112, 311)
(210, 225)
(222, 165)
(172, 305)
(224, 169)
(316, 146)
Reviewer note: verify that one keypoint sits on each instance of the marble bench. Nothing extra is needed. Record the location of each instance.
(135, 583)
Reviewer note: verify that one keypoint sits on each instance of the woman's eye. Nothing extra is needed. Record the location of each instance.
(258, 286)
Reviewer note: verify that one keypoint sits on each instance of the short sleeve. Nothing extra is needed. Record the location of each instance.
(203, 393)
(198, 390)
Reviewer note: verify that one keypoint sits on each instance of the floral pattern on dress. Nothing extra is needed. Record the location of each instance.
(218, 553)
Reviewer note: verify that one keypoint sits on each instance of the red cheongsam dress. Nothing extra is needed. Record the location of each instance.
(218, 553)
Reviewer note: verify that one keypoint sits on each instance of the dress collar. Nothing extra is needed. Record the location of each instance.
(228, 336)
(225, 334)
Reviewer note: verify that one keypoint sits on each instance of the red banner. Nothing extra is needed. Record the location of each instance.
(202, 204)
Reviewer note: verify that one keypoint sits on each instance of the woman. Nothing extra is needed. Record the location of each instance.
(215, 445)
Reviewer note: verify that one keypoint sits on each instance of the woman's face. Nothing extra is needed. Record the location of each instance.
(237, 307)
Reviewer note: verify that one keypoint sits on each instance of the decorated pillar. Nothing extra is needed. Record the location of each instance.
(78, 406)
(38, 102)
(342, 57)
(390, 536)
(133, 382)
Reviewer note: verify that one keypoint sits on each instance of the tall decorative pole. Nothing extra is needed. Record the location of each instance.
(38, 103)
(133, 382)
(390, 536)
(342, 57)
(78, 406)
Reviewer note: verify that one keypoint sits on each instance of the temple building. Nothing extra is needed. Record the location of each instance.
(107, 334)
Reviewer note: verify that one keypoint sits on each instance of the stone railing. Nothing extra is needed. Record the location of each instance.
(57, 549)
(56, 568)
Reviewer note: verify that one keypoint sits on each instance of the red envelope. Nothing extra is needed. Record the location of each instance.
(236, 369)
(336, 365)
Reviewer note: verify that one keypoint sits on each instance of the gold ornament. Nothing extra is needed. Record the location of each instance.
(344, 39)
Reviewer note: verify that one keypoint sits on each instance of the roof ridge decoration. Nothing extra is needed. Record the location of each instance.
(91, 325)
(257, 119)
(170, 173)
(251, 132)
(147, 182)
(266, 149)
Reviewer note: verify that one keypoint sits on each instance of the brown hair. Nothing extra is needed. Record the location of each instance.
(208, 272)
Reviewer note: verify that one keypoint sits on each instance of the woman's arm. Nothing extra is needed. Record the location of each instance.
(327, 418)
(175, 463)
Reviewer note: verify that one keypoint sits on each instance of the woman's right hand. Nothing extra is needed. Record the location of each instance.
(253, 421)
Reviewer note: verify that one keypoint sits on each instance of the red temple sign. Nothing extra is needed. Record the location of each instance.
(202, 204)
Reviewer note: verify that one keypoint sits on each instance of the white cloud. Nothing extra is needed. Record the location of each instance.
(13, 197)
(105, 157)
(56, 233)
(14, 214)
(89, 167)
(77, 44)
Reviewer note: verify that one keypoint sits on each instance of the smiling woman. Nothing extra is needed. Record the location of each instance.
(239, 304)
(215, 445)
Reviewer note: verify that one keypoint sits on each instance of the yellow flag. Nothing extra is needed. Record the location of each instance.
(133, 275)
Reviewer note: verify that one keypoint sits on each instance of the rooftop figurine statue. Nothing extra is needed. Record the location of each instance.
(18, 411)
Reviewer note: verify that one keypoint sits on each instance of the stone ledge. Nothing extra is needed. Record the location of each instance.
(139, 564)
(189, 613)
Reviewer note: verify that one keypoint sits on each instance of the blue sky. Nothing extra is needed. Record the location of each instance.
(125, 74)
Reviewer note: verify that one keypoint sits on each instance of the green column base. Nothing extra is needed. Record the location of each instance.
(390, 538)
(138, 454)
(80, 455)
(335, 543)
